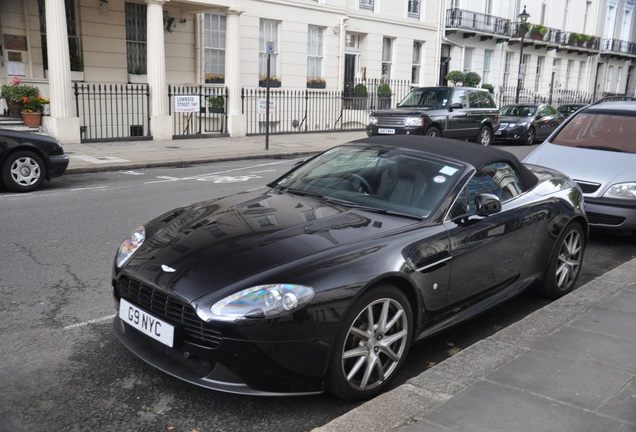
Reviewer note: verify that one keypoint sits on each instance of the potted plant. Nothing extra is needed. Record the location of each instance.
(138, 75)
(538, 31)
(360, 95)
(273, 81)
(577, 39)
(455, 77)
(523, 27)
(316, 82)
(471, 79)
(32, 107)
(211, 78)
(216, 104)
(384, 96)
(14, 94)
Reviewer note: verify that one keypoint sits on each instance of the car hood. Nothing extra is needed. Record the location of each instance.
(594, 166)
(512, 119)
(220, 242)
(406, 111)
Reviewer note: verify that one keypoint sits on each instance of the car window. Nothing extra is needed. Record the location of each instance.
(600, 131)
(426, 97)
(473, 99)
(460, 96)
(498, 178)
(485, 101)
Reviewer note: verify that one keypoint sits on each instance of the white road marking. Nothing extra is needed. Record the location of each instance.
(89, 322)
(218, 175)
(135, 173)
(88, 188)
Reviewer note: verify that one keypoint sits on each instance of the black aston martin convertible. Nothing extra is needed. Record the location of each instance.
(324, 278)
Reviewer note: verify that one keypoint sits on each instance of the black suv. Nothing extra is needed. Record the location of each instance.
(454, 112)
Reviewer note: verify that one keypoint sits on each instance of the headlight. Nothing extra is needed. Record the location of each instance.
(264, 301)
(130, 246)
(622, 190)
(522, 124)
(413, 121)
(373, 120)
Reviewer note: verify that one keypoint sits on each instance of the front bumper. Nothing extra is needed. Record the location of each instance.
(511, 134)
(57, 165)
(611, 214)
(392, 130)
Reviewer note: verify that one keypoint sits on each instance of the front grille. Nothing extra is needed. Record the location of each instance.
(603, 219)
(175, 312)
(588, 187)
(392, 121)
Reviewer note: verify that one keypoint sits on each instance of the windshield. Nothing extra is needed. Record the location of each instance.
(600, 131)
(518, 110)
(376, 178)
(426, 97)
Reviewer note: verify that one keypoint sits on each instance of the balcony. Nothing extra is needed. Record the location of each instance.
(614, 48)
(554, 39)
(471, 24)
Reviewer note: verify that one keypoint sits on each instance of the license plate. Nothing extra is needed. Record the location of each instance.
(146, 323)
(386, 131)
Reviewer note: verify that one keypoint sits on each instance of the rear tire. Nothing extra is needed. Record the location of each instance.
(433, 132)
(565, 264)
(485, 136)
(371, 344)
(23, 171)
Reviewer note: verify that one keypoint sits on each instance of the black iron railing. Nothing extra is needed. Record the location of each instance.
(111, 112)
(474, 21)
(211, 117)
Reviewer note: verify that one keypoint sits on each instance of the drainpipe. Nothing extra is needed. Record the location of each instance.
(341, 51)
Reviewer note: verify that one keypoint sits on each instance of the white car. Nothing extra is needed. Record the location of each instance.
(597, 148)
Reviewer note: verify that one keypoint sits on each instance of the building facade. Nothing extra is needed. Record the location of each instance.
(145, 56)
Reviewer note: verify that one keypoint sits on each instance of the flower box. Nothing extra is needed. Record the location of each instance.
(272, 83)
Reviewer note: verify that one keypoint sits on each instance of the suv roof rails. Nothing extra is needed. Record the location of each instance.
(614, 98)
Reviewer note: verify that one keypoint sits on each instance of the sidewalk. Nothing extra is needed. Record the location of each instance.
(570, 366)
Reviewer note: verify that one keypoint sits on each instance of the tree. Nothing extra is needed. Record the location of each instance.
(471, 79)
(455, 77)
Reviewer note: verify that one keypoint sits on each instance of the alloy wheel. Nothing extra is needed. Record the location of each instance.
(25, 171)
(569, 260)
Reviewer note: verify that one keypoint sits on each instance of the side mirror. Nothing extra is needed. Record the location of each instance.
(456, 105)
(487, 204)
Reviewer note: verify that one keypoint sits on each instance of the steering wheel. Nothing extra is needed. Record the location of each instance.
(363, 186)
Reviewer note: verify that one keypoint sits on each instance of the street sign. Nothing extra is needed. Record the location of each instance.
(186, 103)
(271, 48)
(262, 106)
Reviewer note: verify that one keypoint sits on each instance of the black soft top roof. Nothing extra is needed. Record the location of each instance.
(468, 153)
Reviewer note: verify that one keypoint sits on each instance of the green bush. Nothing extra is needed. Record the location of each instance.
(455, 77)
(360, 90)
(384, 91)
(471, 79)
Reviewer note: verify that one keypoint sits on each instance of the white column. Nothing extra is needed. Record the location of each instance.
(62, 123)
(160, 121)
(236, 120)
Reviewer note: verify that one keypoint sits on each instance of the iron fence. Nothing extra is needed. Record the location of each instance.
(506, 95)
(209, 120)
(113, 112)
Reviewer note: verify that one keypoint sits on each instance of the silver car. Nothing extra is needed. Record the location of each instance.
(597, 148)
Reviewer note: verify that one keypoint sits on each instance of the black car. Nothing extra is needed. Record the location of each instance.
(526, 123)
(453, 112)
(27, 159)
(568, 109)
(323, 279)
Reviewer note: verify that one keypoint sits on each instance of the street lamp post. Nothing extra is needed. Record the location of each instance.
(523, 19)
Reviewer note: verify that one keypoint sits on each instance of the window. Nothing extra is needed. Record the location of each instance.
(499, 179)
(485, 76)
(468, 59)
(579, 79)
(214, 46)
(136, 37)
(413, 8)
(538, 73)
(506, 72)
(387, 55)
(74, 45)
(568, 73)
(610, 72)
(619, 76)
(586, 17)
(366, 4)
(565, 15)
(417, 62)
(314, 52)
(268, 32)
(460, 96)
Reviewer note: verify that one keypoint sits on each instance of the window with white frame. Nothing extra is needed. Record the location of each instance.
(314, 52)
(387, 57)
(568, 73)
(619, 76)
(628, 16)
(608, 79)
(588, 5)
(214, 34)
(413, 8)
(268, 33)
(417, 62)
(579, 78)
(468, 59)
(525, 70)
(538, 73)
(136, 47)
(74, 42)
(506, 71)
(485, 75)
(566, 8)
(366, 4)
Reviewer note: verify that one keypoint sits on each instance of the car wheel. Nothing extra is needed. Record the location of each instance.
(371, 345)
(565, 264)
(23, 171)
(433, 132)
(485, 136)
(531, 136)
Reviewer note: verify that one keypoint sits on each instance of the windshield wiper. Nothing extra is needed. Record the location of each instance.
(373, 209)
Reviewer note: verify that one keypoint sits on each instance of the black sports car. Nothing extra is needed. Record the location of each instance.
(323, 279)
(27, 159)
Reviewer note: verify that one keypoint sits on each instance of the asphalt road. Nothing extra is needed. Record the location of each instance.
(61, 367)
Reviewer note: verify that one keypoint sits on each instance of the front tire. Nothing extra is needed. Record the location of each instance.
(23, 171)
(565, 264)
(485, 136)
(531, 137)
(433, 132)
(371, 345)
